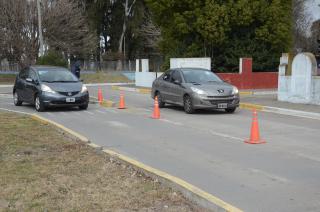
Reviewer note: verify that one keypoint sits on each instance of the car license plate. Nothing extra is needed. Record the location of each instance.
(223, 105)
(70, 100)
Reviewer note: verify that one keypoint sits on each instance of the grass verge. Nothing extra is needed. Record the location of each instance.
(7, 79)
(104, 77)
(41, 169)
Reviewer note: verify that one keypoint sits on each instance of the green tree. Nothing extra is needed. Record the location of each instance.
(225, 30)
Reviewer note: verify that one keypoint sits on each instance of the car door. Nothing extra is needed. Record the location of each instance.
(20, 84)
(165, 86)
(30, 86)
(176, 89)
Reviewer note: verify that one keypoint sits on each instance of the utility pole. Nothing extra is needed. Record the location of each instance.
(41, 50)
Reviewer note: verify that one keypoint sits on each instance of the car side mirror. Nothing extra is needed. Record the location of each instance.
(177, 82)
(29, 80)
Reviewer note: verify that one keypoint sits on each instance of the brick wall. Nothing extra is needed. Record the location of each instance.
(247, 79)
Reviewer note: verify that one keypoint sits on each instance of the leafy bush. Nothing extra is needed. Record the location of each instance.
(52, 58)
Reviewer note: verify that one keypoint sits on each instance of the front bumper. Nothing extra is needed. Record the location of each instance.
(60, 100)
(205, 102)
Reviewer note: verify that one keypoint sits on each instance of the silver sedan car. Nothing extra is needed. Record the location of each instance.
(195, 88)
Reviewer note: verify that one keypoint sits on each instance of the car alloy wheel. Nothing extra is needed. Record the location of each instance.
(38, 104)
(160, 102)
(188, 106)
(16, 100)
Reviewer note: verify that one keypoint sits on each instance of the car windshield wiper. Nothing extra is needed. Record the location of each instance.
(63, 81)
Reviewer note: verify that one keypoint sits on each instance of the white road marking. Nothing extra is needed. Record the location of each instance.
(111, 111)
(89, 112)
(117, 124)
(6, 96)
(268, 175)
(16, 111)
(172, 122)
(49, 114)
(99, 111)
(226, 136)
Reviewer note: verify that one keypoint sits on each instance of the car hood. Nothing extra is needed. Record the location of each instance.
(65, 86)
(214, 88)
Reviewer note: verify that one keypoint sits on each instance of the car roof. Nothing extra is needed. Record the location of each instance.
(191, 69)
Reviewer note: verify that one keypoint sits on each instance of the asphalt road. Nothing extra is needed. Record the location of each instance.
(207, 149)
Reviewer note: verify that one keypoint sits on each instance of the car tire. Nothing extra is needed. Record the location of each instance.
(188, 105)
(39, 104)
(230, 110)
(83, 107)
(160, 101)
(16, 99)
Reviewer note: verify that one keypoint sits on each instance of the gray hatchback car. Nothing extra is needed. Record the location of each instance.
(195, 88)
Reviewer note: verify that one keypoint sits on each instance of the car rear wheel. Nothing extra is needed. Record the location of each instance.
(83, 107)
(160, 100)
(16, 99)
(39, 104)
(188, 105)
(230, 110)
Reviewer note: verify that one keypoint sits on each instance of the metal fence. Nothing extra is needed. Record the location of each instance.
(126, 65)
(9, 67)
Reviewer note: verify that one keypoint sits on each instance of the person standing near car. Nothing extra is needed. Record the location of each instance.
(76, 68)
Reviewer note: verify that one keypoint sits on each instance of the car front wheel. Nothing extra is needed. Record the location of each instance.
(188, 105)
(16, 99)
(160, 100)
(39, 104)
(83, 107)
(230, 110)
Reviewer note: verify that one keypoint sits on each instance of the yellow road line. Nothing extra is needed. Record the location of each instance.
(250, 106)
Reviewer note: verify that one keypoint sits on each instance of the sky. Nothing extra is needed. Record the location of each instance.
(313, 9)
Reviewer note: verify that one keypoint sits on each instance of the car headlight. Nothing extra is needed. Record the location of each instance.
(84, 89)
(46, 88)
(198, 91)
(235, 91)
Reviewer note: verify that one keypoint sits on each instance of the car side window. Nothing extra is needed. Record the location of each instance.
(32, 75)
(23, 74)
(176, 76)
(167, 76)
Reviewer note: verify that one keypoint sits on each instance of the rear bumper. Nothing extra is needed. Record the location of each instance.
(200, 102)
(58, 100)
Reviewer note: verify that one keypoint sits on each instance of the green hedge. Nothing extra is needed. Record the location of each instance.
(53, 59)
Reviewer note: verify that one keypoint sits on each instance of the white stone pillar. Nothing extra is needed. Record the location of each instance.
(145, 65)
(137, 65)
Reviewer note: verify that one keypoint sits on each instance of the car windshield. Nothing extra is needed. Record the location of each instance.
(200, 76)
(57, 75)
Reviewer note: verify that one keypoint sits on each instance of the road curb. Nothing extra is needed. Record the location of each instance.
(148, 91)
(190, 191)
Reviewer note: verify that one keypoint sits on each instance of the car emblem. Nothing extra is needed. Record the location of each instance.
(221, 91)
(69, 94)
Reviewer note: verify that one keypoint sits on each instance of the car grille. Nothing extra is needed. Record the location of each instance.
(220, 97)
(68, 93)
(214, 102)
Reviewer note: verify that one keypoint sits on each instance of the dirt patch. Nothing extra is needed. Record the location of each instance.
(42, 170)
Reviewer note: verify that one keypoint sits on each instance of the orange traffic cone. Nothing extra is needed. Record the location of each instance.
(100, 96)
(156, 111)
(255, 135)
(122, 103)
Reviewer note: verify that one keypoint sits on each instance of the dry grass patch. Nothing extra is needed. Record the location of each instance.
(7, 78)
(43, 170)
(104, 77)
